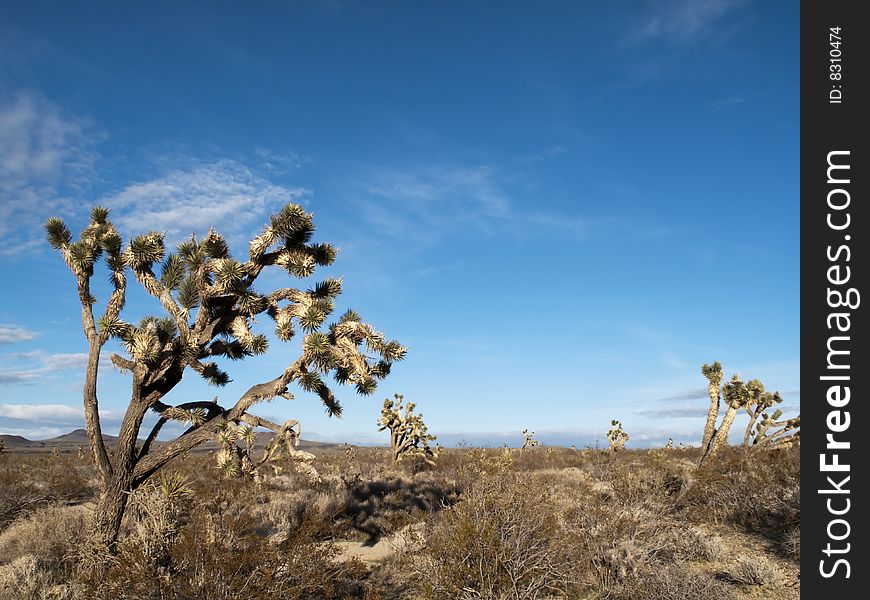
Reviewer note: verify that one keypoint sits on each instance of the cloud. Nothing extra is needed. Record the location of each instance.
(37, 365)
(278, 163)
(9, 334)
(687, 395)
(42, 412)
(438, 200)
(43, 155)
(225, 194)
(41, 421)
(682, 21)
(47, 159)
(685, 412)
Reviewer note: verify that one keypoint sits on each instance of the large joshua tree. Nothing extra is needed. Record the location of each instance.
(210, 304)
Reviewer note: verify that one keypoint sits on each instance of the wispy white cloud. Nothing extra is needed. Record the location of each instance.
(41, 421)
(48, 157)
(682, 21)
(224, 194)
(9, 334)
(43, 154)
(439, 200)
(278, 163)
(42, 412)
(31, 367)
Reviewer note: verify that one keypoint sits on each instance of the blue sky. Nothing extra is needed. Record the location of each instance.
(562, 209)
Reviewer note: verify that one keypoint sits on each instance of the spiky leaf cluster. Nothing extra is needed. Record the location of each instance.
(738, 394)
(713, 373)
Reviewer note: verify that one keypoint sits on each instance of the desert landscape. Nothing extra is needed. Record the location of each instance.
(325, 300)
(493, 523)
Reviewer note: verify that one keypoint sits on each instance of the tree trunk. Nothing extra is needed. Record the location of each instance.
(721, 435)
(712, 414)
(747, 435)
(106, 522)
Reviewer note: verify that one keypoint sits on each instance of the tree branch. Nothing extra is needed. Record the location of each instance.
(212, 411)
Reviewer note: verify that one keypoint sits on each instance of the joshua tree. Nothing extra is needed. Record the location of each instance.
(409, 436)
(713, 373)
(616, 436)
(752, 397)
(210, 304)
(2, 447)
(529, 440)
(737, 395)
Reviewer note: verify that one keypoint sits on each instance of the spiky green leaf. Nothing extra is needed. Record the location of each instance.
(57, 232)
(173, 272)
(99, 214)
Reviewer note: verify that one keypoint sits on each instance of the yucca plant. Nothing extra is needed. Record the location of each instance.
(529, 440)
(616, 436)
(210, 303)
(409, 436)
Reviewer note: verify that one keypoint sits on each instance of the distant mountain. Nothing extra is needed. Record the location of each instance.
(14, 441)
(69, 442)
(77, 436)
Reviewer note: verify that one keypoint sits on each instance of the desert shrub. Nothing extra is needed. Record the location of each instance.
(155, 515)
(51, 535)
(673, 582)
(28, 483)
(791, 543)
(619, 541)
(753, 571)
(314, 510)
(684, 542)
(760, 493)
(500, 541)
(219, 550)
(22, 579)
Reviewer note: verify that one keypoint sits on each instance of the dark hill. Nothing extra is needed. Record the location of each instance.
(13, 441)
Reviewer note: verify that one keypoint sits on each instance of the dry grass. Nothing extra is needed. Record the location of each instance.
(484, 523)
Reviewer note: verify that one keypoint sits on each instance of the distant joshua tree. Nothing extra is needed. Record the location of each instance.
(209, 303)
(409, 436)
(751, 397)
(529, 440)
(617, 436)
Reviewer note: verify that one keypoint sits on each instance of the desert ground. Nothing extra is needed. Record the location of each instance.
(494, 523)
